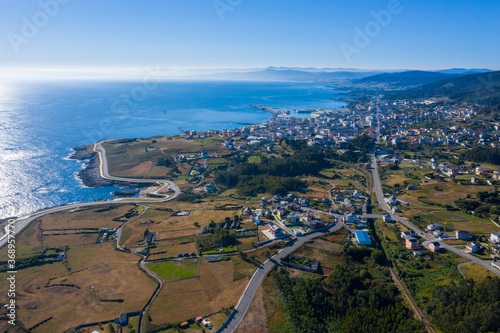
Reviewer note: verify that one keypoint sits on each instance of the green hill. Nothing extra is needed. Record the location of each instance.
(481, 88)
(405, 79)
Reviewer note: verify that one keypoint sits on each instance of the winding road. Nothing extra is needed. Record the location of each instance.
(21, 223)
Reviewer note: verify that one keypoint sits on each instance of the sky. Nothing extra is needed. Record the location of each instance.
(127, 35)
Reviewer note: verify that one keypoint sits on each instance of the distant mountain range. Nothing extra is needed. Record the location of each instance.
(463, 71)
(287, 74)
(384, 79)
(482, 88)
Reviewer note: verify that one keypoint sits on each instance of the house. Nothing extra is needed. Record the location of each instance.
(123, 319)
(149, 237)
(387, 218)
(363, 238)
(277, 198)
(292, 218)
(325, 201)
(356, 194)
(275, 230)
(204, 230)
(473, 247)
(393, 201)
(406, 234)
(439, 234)
(350, 218)
(412, 243)
(247, 211)
(361, 224)
(473, 180)
(495, 237)
(462, 234)
(256, 219)
(434, 246)
(210, 187)
(207, 324)
(396, 210)
(411, 187)
(434, 226)
(234, 225)
(282, 213)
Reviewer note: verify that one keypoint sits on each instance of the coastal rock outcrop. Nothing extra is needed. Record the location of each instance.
(91, 176)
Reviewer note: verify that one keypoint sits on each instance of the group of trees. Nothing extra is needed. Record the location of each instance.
(482, 154)
(219, 238)
(349, 300)
(361, 142)
(467, 307)
(349, 156)
(164, 161)
(274, 176)
(488, 203)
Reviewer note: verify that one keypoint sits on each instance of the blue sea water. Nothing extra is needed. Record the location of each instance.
(40, 123)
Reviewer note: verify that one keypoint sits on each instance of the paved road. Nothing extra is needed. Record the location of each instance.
(24, 221)
(103, 169)
(261, 272)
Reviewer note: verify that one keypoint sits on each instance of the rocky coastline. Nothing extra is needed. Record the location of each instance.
(91, 176)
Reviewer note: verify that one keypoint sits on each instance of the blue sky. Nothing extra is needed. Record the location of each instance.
(108, 35)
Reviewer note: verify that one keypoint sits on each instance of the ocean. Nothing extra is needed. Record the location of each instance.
(41, 121)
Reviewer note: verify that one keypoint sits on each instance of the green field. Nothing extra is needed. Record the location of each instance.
(225, 250)
(475, 271)
(254, 159)
(174, 270)
(457, 221)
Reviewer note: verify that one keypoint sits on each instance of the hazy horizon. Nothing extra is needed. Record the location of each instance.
(107, 40)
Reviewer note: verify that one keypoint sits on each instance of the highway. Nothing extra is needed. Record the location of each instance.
(261, 272)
